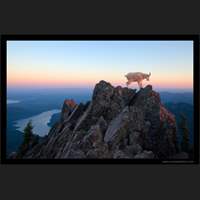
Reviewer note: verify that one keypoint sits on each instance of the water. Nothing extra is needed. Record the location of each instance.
(9, 101)
(39, 122)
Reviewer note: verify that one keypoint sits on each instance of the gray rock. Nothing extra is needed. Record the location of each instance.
(133, 149)
(76, 154)
(94, 136)
(118, 154)
(117, 127)
(144, 155)
(68, 107)
(100, 151)
(102, 124)
(130, 120)
(107, 102)
(134, 137)
(118, 123)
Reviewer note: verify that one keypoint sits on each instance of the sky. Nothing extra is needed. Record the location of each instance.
(79, 64)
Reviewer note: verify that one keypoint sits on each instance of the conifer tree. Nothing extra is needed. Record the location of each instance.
(185, 133)
(28, 133)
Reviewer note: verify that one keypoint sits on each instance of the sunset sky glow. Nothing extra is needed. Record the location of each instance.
(84, 63)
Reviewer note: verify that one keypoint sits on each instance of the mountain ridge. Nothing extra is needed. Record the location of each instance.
(117, 123)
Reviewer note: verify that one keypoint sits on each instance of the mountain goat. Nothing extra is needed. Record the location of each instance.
(137, 77)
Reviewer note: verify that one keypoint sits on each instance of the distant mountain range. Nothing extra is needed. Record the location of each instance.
(185, 97)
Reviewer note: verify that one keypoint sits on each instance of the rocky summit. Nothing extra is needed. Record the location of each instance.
(117, 123)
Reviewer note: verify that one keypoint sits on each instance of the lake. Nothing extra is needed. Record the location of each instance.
(39, 122)
(9, 101)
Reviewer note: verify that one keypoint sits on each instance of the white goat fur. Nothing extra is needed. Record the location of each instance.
(137, 77)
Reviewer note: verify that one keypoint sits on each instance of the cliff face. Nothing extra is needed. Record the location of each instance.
(117, 123)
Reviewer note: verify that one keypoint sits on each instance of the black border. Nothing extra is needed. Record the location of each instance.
(5, 38)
